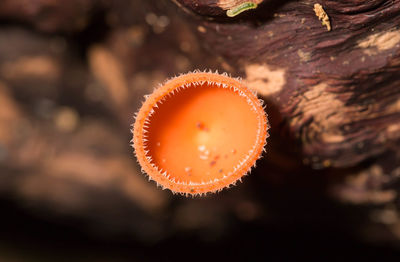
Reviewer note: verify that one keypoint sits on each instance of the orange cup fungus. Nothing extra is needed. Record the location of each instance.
(199, 132)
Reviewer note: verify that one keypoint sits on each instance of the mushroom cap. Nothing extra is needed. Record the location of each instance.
(199, 132)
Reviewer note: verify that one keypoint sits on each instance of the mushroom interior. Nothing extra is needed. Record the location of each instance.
(202, 133)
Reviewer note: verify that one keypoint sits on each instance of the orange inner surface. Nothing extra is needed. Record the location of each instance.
(200, 133)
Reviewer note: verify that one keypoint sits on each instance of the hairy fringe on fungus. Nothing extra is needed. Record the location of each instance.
(162, 130)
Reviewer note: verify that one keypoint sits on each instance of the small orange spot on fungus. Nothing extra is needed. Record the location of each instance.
(184, 127)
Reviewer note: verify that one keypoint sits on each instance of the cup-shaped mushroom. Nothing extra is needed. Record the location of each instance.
(199, 133)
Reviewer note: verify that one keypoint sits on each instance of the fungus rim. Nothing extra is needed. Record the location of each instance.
(173, 85)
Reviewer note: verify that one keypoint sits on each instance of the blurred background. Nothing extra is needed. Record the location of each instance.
(72, 74)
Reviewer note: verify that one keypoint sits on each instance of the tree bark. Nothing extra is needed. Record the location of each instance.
(337, 92)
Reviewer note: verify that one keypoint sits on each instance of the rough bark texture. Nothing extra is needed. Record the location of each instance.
(337, 91)
(334, 96)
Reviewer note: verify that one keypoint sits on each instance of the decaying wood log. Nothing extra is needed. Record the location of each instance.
(337, 92)
(330, 74)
